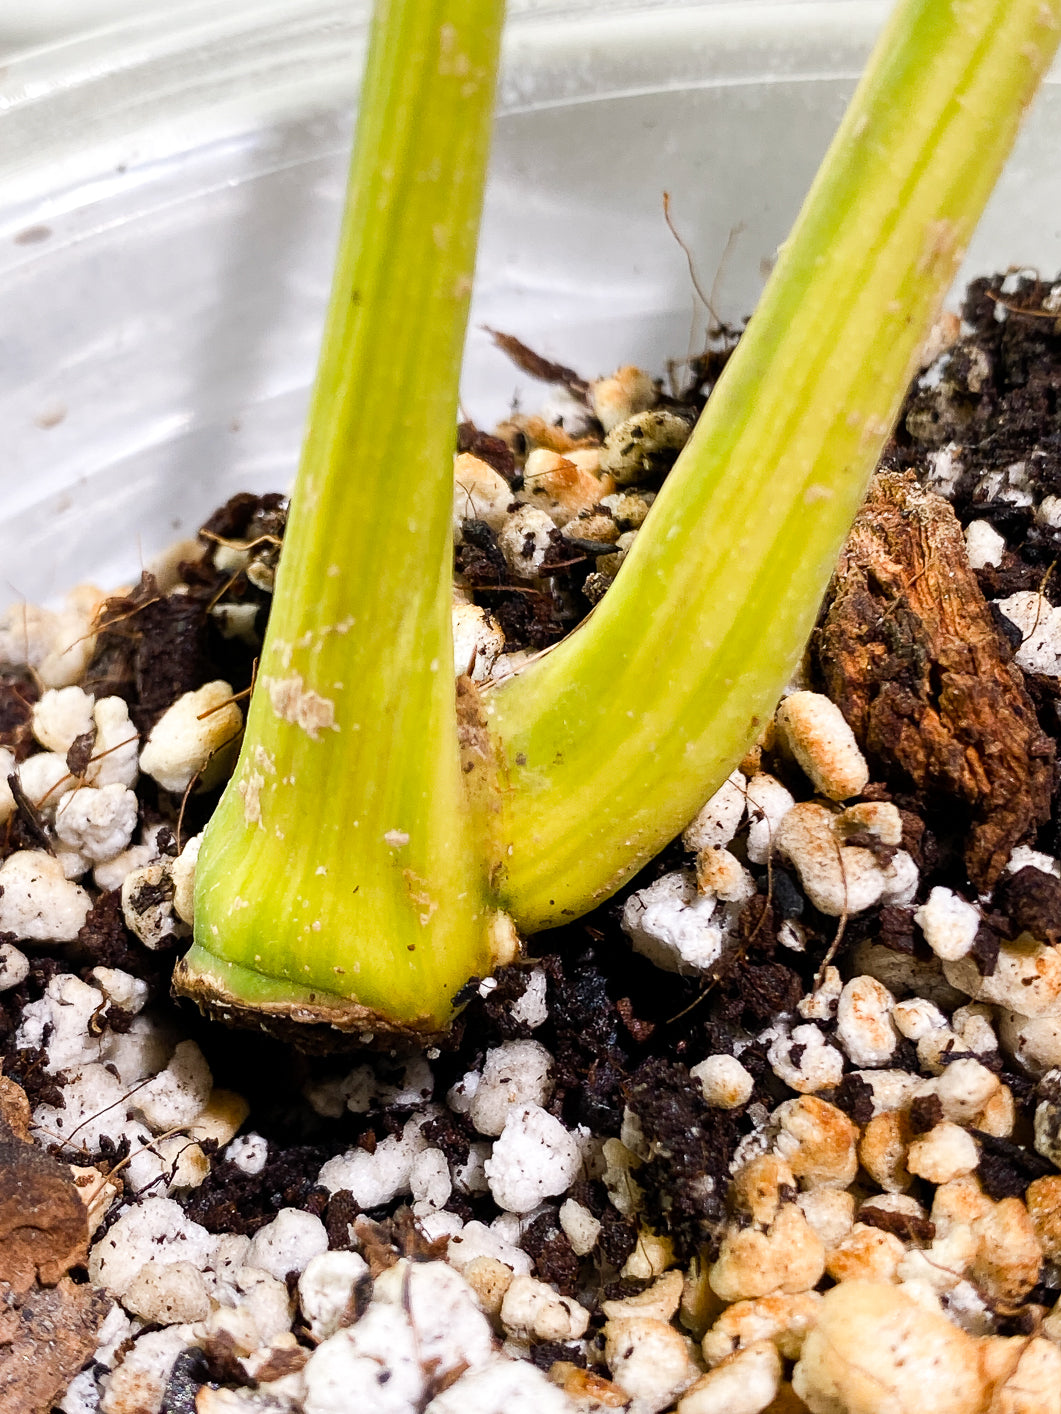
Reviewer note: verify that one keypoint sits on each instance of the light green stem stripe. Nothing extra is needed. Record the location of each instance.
(615, 738)
(343, 857)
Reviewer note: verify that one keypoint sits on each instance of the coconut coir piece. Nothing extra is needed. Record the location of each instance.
(909, 652)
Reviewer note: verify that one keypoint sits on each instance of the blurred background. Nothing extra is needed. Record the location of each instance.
(172, 176)
(25, 24)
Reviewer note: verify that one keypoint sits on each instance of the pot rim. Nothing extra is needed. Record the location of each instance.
(142, 89)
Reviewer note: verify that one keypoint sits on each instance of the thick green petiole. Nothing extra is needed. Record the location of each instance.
(613, 740)
(341, 879)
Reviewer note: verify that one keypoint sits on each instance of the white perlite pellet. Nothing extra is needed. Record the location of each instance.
(514, 1073)
(14, 966)
(177, 1094)
(44, 779)
(648, 1358)
(1034, 1042)
(1026, 979)
(479, 492)
(451, 1330)
(725, 1082)
(804, 1060)
(746, 1382)
(167, 1294)
(477, 641)
(82, 1394)
(98, 824)
(534, 1158)
(820, 739)
(147, 904)
(139, 1382)
(949, 924)
(629, 390)
(61, 715)
(375, 1179)
(768, 803)
(1040, 626)
(532, 1310)
(115, 759)
(477, 1240)
(189, 733)
(182, 871)
(943, 470)
(580, 1227)
(155, 1230)
(59, 1022)
(524, 539)
(430, 1184)
(326, 1290)
(716, 822)
(983, 544)
(112, 873)
(531, 1009)
(249, 1153)
(288, 1243)
(1022, 856)
(38, 902)
(374, 1364)
(121, 988)
(839, 877)
(864, 1024)
(502, 1387)
(674, 925)
(947, 1151)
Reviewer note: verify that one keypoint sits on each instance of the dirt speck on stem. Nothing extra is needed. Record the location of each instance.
(300, 705)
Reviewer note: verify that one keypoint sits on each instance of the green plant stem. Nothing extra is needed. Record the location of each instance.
(342, 875)
(613, 740)
(348, 875)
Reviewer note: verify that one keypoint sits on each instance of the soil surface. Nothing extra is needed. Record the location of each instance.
(862, 1086)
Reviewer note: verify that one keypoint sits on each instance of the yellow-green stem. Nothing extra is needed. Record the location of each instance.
(342, 878)
(613, 740)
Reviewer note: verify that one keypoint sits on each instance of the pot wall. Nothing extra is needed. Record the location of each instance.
(171, 190)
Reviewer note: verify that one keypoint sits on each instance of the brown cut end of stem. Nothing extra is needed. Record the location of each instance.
(316, 1027)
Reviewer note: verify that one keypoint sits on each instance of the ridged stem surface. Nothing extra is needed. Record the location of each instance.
(343, 861)
(614, 739)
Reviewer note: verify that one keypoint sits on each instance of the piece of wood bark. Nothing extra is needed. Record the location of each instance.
(14, 1110)
(43, 1222)
(47, 1334)
(909, 652)
(48, 1322)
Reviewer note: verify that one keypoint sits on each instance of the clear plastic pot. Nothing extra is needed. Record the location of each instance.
(169, 197)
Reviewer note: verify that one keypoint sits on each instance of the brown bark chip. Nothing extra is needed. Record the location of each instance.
(14, 1110)
(46, 1336)
(909, 652)
(43, 1222)
(1032, 901)
(48, 1324)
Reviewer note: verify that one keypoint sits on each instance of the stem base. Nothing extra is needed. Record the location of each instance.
(309, 1018)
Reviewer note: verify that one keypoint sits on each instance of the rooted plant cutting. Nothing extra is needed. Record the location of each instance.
(779, 1123)
(441, 827)
(756, 1118)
